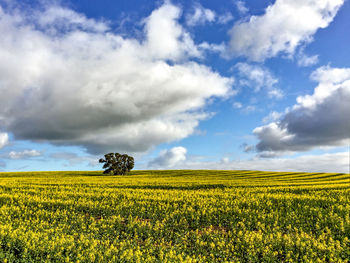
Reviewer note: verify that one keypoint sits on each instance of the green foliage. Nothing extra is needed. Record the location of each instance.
(117, 164)
(174, 216)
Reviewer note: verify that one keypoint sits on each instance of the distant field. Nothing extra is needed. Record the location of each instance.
(175, 216)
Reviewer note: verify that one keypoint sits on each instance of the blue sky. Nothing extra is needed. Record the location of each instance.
(178, 84)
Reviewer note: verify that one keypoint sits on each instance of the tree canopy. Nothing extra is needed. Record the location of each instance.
(117, 164)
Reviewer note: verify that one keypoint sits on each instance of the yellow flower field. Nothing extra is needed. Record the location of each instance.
(174, 216)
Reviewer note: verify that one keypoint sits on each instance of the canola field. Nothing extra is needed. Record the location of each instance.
(175, 216)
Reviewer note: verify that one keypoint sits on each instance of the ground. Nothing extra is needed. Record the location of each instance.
(174, 216)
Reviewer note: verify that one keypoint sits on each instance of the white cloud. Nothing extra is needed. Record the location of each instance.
(169, 158)
(246, 109)
(67, 79)
(306, 61)
(273, 116)
(285, 25)
(249, 108)
(237, 105)
(218, 48)
(200, 16)
(258, 78)
(4, 139)
(303, 60)
(255, 76)
(59, 18)
(225, 160)
(241, 7)
(275, 93)
(165, 37)
(331, 163)
(320, 119)
(224, 18)
(24, 154)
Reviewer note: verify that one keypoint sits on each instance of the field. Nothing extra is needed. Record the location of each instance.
(174, 216)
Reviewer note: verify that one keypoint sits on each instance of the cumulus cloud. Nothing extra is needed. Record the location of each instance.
(169, 158)
(165, 37)
(217, 48)
(284, 26)
(68, 79)
(200, 16)
(59, 18)
(224, 18)
(24, 154)
(4, 139)
(241, 7)
(331, 163)
(247, 148)
(258, 77)
(246, 109)
(273, 116)
(320, 119)
(305, 61)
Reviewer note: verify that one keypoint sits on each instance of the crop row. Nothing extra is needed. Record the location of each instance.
(174, 216)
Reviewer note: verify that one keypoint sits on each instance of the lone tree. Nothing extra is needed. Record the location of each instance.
(117, 164)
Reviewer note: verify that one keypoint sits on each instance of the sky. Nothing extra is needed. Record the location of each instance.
(226, 84)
